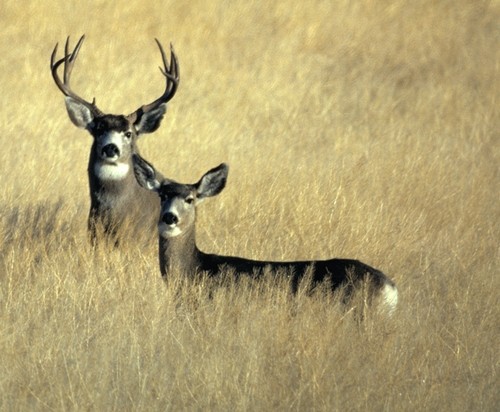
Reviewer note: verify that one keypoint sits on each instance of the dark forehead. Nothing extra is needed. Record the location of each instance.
(174, 189)
(112, 122)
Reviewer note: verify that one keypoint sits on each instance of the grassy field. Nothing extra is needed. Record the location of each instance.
(362, 129)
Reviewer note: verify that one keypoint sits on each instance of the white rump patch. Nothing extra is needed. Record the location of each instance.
(109, 171)
(390, 298)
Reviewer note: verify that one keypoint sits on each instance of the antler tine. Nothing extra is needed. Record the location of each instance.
(69, 59)
(68, 64)
(174, 68)
(171, 72)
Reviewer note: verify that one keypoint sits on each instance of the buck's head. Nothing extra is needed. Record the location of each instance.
(114, 135)
(179, 201)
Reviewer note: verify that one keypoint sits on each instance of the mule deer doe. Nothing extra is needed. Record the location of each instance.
(114, 193)
(177, 244)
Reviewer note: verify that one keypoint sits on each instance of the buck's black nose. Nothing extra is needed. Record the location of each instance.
(169, 219)
(110, 150)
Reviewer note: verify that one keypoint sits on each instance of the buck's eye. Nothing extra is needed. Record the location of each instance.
(128, 134)
(189, 200)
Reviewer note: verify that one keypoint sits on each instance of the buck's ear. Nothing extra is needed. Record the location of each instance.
(145, 173)
(148, 122)
(79, 114)
(212, 182)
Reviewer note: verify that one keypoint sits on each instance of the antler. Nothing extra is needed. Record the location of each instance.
(69, 61)
(171, 72)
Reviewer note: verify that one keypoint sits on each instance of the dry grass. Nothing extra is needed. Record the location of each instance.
(357, 129)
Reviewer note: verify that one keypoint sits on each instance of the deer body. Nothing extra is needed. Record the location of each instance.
(115, 196)
(178, 249)
(181, 253)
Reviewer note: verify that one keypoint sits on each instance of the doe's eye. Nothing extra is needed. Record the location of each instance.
(189, 200)
(128, 134)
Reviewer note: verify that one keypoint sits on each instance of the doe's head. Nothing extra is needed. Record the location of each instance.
(178, 200)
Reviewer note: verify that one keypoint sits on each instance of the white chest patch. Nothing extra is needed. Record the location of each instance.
(111, 171)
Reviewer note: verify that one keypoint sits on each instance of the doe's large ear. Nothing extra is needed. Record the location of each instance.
(145, 173)
(79, 114)
(212, 182)
(148, 122)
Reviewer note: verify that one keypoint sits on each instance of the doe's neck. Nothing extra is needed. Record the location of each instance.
(179, 253)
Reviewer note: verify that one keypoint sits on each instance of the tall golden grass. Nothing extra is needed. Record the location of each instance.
(355, 129)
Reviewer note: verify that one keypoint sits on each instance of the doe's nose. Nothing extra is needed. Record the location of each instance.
(110, 150)
(169, 218)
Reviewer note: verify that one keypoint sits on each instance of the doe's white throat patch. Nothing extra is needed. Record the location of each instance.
(109, 171)
(167, 231)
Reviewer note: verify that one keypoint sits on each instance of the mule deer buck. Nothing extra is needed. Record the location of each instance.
(115, 195)
(177, 244)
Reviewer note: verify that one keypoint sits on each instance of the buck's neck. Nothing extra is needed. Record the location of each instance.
(179, 253)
